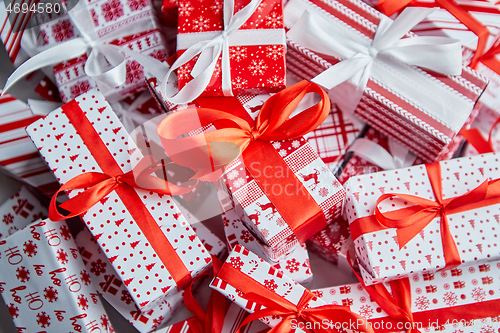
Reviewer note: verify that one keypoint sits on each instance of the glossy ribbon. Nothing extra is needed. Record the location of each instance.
(98, 185)
(397, 157)
(276, 305)
(410, 221)
(389, 7)
(476, 139)
(76, 47)
(440, 54)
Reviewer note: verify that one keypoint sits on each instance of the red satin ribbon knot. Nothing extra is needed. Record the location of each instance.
(209, 153)
(275, 305)
(410, 221)
(476, 139)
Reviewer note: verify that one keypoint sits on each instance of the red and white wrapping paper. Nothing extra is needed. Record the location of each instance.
(264, 274)
(449, 301)
(128, 24)
(114, 222)
(484, 122)
(45, 284)
(413, 106)
(296, 264)
(18, 156)
(21, 209)
(474, 231)
(256, 49)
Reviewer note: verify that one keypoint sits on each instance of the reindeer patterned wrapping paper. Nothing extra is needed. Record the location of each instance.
(21, 209)
(45, 284)
(388, 253)
(459, 300)
(144, 234)
(296, 264)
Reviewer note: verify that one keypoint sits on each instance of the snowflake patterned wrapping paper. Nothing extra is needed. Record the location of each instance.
(21, 209)
(255, 59)
(131, 225)
(19, 157)
(45, 284)
(396, 99)
(296, 264)
(462, 299)
(129, 24)
(253, 276)
(468, 231)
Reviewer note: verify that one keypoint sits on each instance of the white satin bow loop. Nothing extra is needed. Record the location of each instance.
(398, 157)
(439, 54)
(106, 76)
(209, 51)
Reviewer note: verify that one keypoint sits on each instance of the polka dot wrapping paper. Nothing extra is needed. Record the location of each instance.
(44, 283)
(135, 247)
(434, 300)
(387, 253)
(257, 67)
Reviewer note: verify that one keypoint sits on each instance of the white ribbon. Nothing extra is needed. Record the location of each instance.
(313, 31)
(397, 157)
(99, 48)
(209, 51)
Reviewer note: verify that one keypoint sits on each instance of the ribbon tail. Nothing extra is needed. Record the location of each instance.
(373, 153)
(68, 50)
(342, 72)
(113, 77)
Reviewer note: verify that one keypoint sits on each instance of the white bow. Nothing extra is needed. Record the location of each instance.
(439, 54)
(74, 48)
(209, 51)
(397, 157)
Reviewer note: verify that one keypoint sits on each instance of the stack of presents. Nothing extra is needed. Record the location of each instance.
(205, 148)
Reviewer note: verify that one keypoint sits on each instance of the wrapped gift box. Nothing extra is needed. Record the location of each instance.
(21, 209)
(128, 24)
(19, 157)
(413, 106)
(484, 124)
(435, 300)
(296, 264)
(45, 284)
(132, 231)
(386, 252)
(256, 49)
(248, 281)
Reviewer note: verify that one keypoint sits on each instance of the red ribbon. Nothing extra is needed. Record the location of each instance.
(98, 185)
(476, 139)
(210, 152)
(276, 305)
(410, 221)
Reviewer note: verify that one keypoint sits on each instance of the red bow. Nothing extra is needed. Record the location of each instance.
(476, 139)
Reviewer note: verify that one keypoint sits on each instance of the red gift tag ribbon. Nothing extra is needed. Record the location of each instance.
(276, 305)
(476, 139)
(389, 7)
(98, 185)
(410, 221)
(210, 152)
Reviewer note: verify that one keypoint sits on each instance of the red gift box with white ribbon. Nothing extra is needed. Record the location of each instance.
(369, 64)
(45, 284)
(143, 233)
(425, 217)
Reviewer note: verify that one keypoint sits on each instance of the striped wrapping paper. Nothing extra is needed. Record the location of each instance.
(18, 155)
(395, 110)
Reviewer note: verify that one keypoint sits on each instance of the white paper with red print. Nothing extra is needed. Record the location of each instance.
(401, 109)
(110, 17)
(18, 156)
(45, 284)
(474, 231)
(107, 282)
(484, 123)
(263, 273)
(254, 68)
(21, 209)
(146, 278)
(296, 264)
(431, 291)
